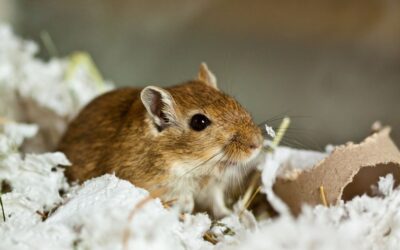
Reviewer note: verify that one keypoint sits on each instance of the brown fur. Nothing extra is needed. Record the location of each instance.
(114, 134)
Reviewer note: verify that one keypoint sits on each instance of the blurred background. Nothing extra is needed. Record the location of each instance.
(332, 65)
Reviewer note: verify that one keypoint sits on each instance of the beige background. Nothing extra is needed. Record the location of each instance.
(333, 65)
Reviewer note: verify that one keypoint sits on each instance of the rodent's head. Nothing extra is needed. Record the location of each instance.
(198, 128)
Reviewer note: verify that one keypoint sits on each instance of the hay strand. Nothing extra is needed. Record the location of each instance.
(322, 196)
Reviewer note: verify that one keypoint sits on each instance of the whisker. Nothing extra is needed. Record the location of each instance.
(278, 116)
(300, 144)
(307, 140)
(202, 163)
(273, 120)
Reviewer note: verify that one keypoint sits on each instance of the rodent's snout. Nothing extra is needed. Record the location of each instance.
(256, 138)
(254, 145)
(244, 147)
(251, 140)
(256, 142)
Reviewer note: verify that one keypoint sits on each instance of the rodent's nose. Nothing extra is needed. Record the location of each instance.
(254, 146)
(256, 142)
(251, 141)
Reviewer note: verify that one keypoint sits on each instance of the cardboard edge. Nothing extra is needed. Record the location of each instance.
(375, 150)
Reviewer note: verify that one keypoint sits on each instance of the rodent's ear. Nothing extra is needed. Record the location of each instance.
(160, 105)
(207, 76)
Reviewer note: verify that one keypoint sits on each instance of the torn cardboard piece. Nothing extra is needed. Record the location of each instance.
(350, 170)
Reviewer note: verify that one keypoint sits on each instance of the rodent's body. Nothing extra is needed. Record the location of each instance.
(145, 136)
(97, 140)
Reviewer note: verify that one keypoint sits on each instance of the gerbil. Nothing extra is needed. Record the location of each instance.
(191, 139)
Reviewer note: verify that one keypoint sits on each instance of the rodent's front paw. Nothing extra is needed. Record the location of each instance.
(186, 203)
(221, 211)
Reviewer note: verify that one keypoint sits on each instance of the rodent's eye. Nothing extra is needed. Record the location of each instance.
(199, 122)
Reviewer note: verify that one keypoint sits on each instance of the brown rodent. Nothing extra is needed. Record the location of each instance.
(191, 139)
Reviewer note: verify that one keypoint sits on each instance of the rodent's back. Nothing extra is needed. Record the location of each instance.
(87, 140)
